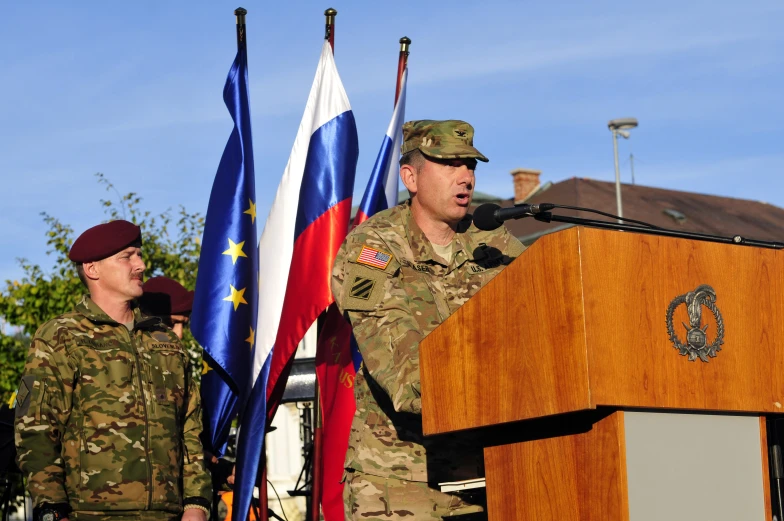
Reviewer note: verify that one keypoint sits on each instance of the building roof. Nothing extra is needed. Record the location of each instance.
(686, 211)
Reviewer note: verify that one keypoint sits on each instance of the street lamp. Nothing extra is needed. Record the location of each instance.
(620, 127)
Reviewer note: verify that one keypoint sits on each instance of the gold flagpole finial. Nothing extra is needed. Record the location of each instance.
(329, 30)
(240, 14)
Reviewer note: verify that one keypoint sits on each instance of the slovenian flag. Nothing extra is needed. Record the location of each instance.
(337, 355)
(304, 230)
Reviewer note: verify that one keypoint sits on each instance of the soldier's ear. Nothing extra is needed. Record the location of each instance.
(91, 270)
(408, 174)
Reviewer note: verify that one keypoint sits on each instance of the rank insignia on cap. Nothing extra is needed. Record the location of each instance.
(362, 288)
(374, 258)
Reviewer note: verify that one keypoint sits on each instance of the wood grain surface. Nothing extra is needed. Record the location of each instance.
(581, 476)
(578, 321)
(516, 350)
(765, 467)
(630, 279)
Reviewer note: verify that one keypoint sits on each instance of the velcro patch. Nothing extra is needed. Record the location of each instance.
(160, 336)
(374, 258)
(361, 288)
(516, 248)
(24, 395)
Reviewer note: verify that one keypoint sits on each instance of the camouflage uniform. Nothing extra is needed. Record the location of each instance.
(394, 290)
(108, 419)
(371, 497)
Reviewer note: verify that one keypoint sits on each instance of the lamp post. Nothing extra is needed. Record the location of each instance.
(620, 127)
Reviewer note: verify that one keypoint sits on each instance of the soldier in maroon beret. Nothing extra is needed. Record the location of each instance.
(109, 261)
(121, 381)
(169, 300)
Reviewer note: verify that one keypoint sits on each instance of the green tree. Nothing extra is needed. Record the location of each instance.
(13, 350)
(171, 247)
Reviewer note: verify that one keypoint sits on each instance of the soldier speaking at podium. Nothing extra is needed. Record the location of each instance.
(397, 277)
(107, 415)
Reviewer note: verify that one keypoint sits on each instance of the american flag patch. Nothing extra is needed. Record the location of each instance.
(375, 258)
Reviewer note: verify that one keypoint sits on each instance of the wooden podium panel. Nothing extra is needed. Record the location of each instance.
(581, 476)
(495, 360)
(630, 355)
(578, 321)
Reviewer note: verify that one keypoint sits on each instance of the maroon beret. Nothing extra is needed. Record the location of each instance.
(104, 240)
(164, 296)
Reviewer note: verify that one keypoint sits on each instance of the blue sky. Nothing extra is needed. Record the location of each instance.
(133, 90)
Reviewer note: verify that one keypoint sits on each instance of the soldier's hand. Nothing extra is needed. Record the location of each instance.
(194, 514)
(222, 471)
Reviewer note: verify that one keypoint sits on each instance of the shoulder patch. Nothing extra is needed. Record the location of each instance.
(374, 258)
(363, 288)
(23, 395)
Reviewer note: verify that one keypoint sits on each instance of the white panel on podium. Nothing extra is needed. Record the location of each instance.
(694, 467)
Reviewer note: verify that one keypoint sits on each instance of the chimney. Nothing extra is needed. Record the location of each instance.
(526, 182)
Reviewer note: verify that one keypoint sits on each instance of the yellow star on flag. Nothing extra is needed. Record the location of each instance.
(205, 367)
(235, 250)
(252, 338)
(251, 211)
(236, 297)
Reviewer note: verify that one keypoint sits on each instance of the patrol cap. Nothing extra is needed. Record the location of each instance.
(104, 240)
(164, 296)
(450, 139)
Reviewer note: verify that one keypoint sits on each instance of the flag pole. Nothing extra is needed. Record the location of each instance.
(241, 40)
(242, 44)
(263, 499)
(329, 30)
(402, 63)
(315, 476)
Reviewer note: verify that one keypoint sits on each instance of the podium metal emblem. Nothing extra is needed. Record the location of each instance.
(697, 345)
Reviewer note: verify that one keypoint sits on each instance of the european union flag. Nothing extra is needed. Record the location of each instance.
(225, 306)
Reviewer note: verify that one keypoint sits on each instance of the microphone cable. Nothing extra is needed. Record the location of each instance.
(605, 214)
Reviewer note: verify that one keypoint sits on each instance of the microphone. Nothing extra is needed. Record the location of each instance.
(490, 216)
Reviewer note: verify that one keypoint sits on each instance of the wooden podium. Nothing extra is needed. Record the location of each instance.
(566, 363)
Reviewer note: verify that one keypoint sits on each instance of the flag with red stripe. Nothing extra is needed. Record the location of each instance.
(303, 232)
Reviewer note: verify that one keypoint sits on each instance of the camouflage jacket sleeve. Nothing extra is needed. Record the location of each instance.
(196, 482)
(43, 407)
(382, 317)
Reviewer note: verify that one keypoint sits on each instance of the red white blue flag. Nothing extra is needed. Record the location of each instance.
(381, 191)
(303, 232)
